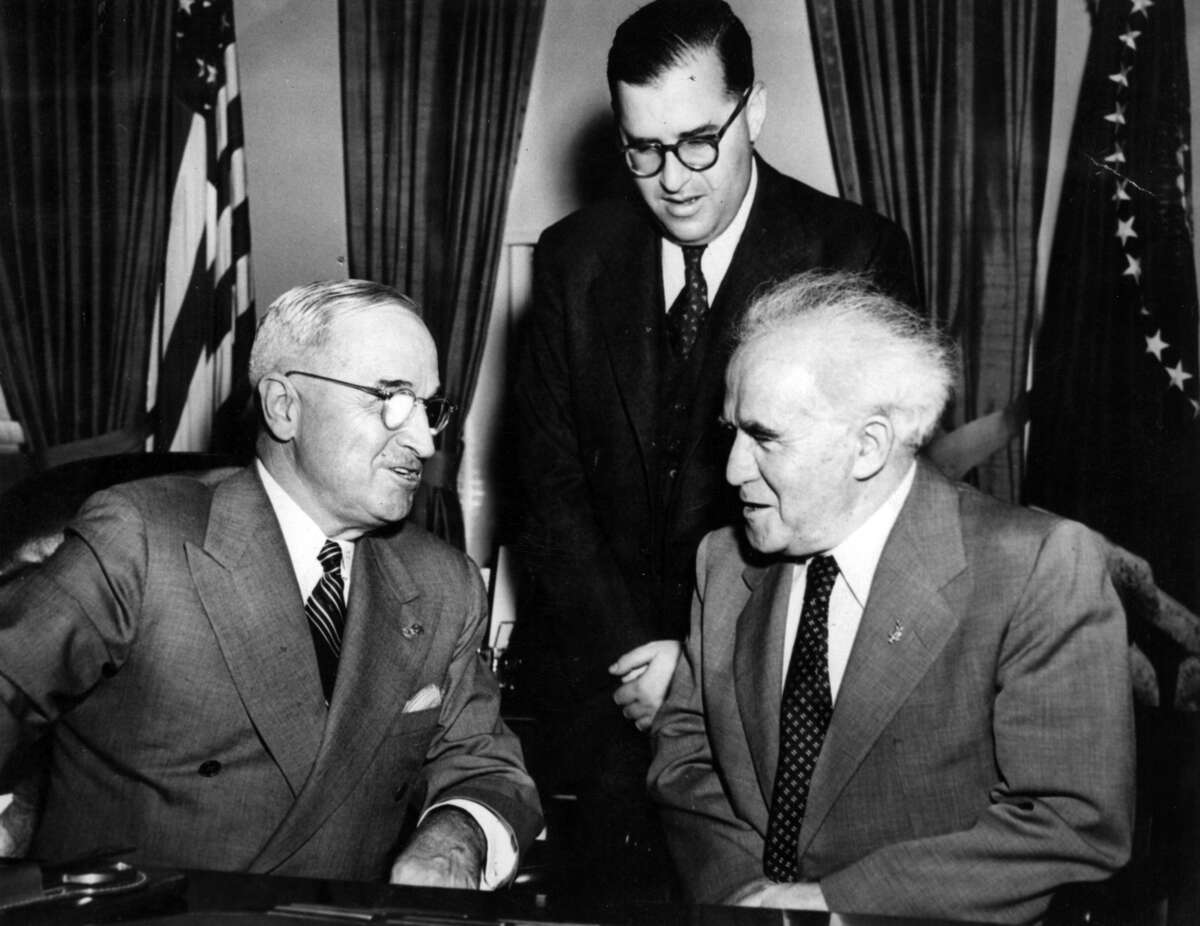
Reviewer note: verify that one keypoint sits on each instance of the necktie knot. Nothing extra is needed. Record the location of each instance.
(330, 557)
(326, 612)
(822, 573)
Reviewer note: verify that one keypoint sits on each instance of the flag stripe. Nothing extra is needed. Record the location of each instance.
(206, 309)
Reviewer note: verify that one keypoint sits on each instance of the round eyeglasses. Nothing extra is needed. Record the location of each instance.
(396, 404)
(696, 152)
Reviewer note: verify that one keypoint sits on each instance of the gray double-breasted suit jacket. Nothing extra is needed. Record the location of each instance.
(164, 649)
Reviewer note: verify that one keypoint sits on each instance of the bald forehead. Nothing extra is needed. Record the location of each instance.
(791, 361)
(382, 342)
(393, 318)
(794, 343)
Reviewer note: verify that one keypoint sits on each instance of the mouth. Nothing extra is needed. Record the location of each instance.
(749, 507)
(410, 475)
(681, 206)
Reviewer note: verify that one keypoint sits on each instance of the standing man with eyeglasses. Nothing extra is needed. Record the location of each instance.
(620, 386)
(266, 669)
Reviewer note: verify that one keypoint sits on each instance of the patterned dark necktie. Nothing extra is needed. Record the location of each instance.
(690, 306)
(803, 719)
(326, 610)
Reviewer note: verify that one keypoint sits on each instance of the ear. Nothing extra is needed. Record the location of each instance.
(756, 110)
(876, 440)
(280, 405)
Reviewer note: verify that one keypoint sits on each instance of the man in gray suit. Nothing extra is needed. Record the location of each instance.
(264, 669)
(898, 695)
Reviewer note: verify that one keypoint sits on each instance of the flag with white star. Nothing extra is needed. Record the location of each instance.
(204, 321)
(1115, 414)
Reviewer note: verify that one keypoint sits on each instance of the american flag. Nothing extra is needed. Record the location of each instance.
(1115, 411)
(204, 317)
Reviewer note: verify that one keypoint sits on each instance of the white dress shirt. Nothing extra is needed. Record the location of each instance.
(304, 540)
(857, 557)
(715, 260)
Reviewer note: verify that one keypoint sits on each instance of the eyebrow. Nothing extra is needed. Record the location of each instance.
(709, 128)
(753, 429)
(759, 431)
(393, 384)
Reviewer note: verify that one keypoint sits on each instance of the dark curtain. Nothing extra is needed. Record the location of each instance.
(939, 118)
(1115, 424)
(86, 194)
(433, 97)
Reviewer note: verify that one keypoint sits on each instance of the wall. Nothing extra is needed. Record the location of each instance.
(292, 111)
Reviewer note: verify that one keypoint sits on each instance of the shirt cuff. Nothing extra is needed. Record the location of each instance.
(501, 862)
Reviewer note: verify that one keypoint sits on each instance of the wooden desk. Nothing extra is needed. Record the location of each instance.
(201, 898)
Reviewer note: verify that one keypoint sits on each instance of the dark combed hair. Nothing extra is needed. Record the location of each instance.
(664, 33)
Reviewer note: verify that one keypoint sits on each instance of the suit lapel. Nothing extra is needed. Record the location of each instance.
(248, 588)
(382, 648)
(758, 665)
(628, 299)
(766, 252)
(912, 609)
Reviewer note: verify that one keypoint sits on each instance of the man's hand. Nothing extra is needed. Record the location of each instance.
(19, 820)
(645, 673)
(447, 850)
(798, 895)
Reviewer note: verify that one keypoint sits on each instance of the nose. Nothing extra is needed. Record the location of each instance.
(740, 468)
(674, 173)
(416, 434)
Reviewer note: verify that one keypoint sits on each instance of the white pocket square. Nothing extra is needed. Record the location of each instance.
(427, 698)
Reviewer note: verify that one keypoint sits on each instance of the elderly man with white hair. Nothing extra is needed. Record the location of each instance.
(899, 695)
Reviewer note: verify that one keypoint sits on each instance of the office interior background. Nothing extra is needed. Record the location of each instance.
(290, 76)
(290, 90)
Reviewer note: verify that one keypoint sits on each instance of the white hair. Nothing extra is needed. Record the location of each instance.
(298, 322)
(880, 356)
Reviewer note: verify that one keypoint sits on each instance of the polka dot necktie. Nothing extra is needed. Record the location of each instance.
(690, 306)
(803, 719)
(326, 611)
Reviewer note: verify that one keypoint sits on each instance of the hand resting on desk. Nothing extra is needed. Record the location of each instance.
(447, 850)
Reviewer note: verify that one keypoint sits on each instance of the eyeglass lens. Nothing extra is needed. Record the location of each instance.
(398, 407)
(694, 153)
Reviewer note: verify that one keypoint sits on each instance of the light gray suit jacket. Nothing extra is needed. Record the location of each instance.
(165, 649)
(976, 759)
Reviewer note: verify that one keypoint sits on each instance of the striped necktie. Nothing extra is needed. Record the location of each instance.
(326, 611)
(803, 719)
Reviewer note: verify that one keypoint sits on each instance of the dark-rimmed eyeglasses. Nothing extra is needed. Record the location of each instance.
(697, 152)
(397, 403)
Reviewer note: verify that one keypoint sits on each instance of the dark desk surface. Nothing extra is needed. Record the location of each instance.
(201, 898)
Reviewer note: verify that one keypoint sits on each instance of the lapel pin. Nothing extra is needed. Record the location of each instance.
(411, 631)
(896, 634)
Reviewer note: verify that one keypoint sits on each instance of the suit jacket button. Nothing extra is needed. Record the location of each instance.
(210, 768)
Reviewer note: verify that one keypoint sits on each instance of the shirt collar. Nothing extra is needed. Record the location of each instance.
(301, 534)
(858, 555)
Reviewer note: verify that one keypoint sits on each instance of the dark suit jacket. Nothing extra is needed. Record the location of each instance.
(165, 649)
(611, 553)
(972, 765)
